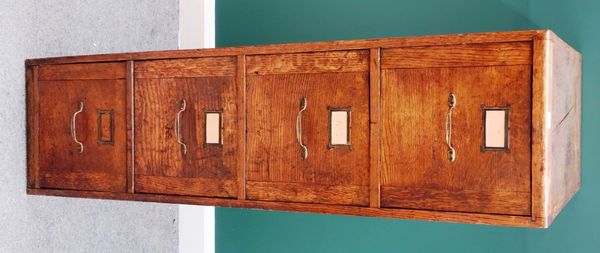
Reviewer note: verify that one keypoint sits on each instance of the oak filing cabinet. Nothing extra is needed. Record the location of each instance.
(475, 128)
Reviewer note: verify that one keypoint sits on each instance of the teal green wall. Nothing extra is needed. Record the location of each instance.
(253, 22)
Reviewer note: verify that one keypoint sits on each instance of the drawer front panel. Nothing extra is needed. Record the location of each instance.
(419, 130)
(290, 154)
(173, 100)
(82, 135)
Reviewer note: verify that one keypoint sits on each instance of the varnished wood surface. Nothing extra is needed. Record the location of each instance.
(241, 125)
(101, 167)
(130, 81)
(539, 135)
(182, 68)
(179, 185)
(432, 40)
(415, 104)
(461, 200)
(375, 126)
(273, 152)
(159, 155)
(488, 219)
(88, 71)
(320, 62)
(33, 127)
(354, 195)
(76, 180)
(486, 54)
(513, 195)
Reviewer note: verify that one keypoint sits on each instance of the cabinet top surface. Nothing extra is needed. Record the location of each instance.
(429, 40)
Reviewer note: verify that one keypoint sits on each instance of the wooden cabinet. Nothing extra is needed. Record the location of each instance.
(173, 100)
(290, 97)
(80, 126)
(417, 84)
(475, 128)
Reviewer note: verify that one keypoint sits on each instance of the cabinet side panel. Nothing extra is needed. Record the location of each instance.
(565, 126)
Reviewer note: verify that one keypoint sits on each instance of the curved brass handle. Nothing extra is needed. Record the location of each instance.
(182, 107)
(451, 150)
(303, 149)
(73, 128)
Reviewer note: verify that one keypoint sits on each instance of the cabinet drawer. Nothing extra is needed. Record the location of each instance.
(82, 133)
(490, 87)
(295, 153)
(185, 127)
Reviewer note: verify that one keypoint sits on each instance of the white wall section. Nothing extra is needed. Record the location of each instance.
(196, 24)
(31, 29)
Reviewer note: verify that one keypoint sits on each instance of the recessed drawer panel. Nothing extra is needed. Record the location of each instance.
(457, 138)
(186, 137)
(82, 133)
(308, 127)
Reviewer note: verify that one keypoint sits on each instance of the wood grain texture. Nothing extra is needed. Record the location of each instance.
(485, 54)
(241, 126)
(212, 187)
(158, 153)
(273, 151)
(308, 193)
(416, 101)
(474, 218)
(320, 62)
(468, 200)
(33, 127)
(375, 126)
(130, 80)
(88, 181)
(105, 164)
(539, 134)
(433, 40)
(89, 71)
(182, 68)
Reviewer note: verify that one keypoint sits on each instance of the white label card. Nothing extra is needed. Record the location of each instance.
(213, 128)
(495, 130)
(339, 127)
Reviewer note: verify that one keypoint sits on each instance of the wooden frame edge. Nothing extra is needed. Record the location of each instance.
(455, 217)
(130, 109)
(375, 127)
(241, 123)
(430, 40)
(32, 98)
(542, 57)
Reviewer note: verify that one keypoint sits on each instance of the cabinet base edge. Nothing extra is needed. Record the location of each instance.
(454, 217)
